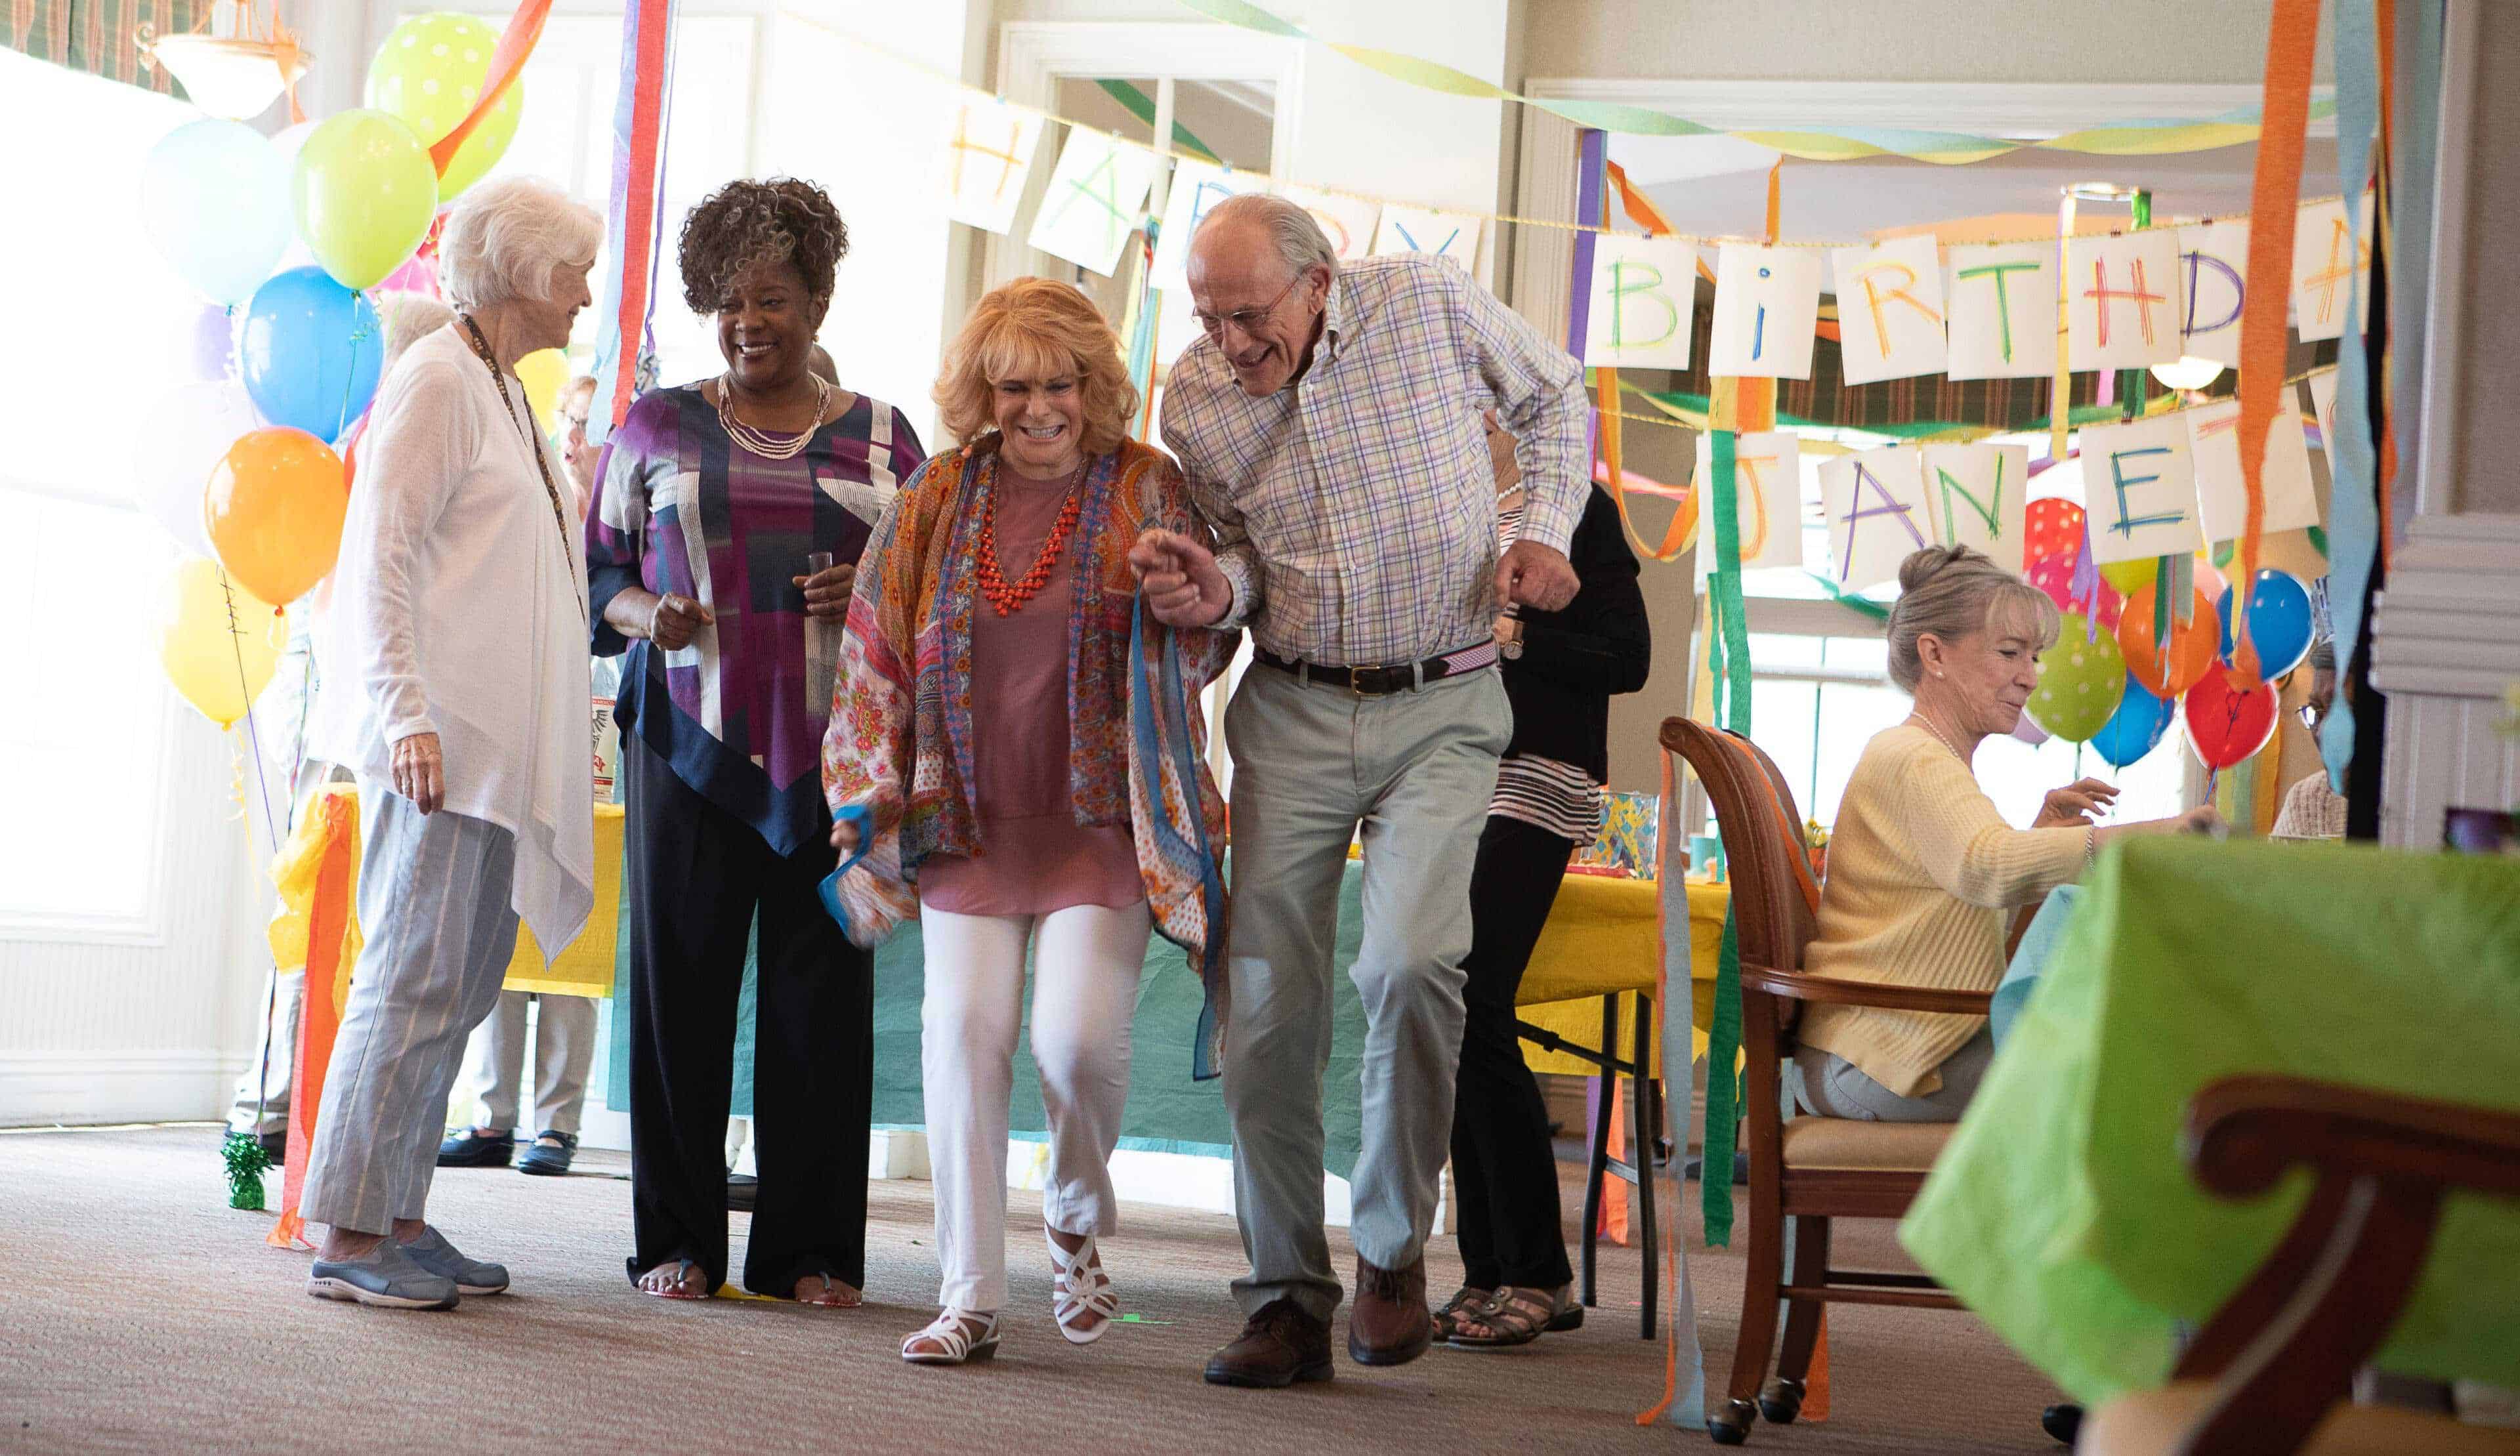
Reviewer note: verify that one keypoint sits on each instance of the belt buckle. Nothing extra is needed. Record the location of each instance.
(1356, 683)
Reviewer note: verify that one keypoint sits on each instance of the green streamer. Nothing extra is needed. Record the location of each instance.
(1723, 1039)
(1143, 107)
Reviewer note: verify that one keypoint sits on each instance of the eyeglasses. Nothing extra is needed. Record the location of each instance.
(1245, 319)
(2311, 713)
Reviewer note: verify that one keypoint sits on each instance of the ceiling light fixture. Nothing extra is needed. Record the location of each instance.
(228, 71)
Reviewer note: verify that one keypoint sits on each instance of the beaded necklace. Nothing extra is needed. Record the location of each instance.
(1005, 598)
(761, 442)
(533, 437)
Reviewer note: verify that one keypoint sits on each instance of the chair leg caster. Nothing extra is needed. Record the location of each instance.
(1781, 1402)
(1729, 1424)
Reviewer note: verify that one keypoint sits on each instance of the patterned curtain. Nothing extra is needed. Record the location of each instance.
(98, 36)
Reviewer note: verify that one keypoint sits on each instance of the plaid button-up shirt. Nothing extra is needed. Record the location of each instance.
(1356, 510)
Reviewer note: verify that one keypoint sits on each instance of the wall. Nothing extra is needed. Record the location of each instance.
(1901, 40)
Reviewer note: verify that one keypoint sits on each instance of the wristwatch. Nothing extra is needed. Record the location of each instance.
(1509, 638)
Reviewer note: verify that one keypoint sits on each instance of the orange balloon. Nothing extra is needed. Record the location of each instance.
(2191, 651)
(274, 508)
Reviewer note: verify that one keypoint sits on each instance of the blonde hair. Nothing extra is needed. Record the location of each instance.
(1035, 328)
(1952, 591)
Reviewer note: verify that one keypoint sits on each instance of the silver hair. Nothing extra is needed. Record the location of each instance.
(1301, 243)
(1952, 591)
(505, 238)
(409, 318)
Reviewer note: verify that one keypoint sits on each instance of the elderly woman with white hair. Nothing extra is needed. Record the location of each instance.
(457, 645)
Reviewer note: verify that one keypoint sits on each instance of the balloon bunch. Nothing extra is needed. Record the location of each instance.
(2130, 658)
(286, 238)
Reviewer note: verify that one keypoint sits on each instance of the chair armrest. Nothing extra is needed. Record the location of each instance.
(2244, 1132)
(1794, 986)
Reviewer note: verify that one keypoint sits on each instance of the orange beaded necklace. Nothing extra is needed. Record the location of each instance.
(1005, 598)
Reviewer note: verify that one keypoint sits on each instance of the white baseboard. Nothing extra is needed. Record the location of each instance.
(82, 1088)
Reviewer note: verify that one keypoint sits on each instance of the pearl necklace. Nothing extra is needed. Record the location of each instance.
(761, 442)
(1927, 724)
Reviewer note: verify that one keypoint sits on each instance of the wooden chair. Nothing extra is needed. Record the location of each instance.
(1812, 1170)
(2268, 1376)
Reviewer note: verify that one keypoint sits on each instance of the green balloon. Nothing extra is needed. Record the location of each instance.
(365, 193)
(2080, 682)
(430, 73)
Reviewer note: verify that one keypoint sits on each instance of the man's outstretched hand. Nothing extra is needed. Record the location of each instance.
(1182, 584)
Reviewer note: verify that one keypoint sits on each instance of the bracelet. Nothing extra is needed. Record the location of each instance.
(2090, 846)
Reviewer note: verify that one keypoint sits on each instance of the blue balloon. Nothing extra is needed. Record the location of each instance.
(310, 352)
(2279, 622)
(2134, 729)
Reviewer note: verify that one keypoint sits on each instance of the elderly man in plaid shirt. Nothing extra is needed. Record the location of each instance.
(1328, 424)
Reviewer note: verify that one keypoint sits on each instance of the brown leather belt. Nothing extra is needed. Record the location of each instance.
(1383, 682)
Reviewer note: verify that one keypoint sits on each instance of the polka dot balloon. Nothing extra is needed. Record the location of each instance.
(2080, 682)
(429, 73)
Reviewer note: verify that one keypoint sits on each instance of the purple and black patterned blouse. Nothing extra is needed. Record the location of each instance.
(679, 506)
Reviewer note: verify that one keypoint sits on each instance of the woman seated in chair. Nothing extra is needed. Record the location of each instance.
(1921, 867)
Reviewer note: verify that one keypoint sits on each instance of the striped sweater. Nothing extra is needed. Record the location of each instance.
(1921, 871)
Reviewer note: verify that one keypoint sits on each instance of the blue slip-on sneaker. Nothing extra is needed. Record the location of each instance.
(472, 1276)
(388, 1278)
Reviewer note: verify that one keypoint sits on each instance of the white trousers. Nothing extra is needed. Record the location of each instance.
(564, 1050)
(1085, 995)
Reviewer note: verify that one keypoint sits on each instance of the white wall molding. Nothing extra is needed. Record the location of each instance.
(80, 1088)
(2027, 111)
(2445, 648)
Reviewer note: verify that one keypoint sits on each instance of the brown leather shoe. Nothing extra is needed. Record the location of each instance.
(1389, 1324)
(1281, 1345)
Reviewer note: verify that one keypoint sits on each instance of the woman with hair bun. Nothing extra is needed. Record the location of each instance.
(1922, 869)
(721, 544)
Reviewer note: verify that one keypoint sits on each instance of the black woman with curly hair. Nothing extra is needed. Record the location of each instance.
(721, 548)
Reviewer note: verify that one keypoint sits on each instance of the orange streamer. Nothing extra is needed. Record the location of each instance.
(320, 1020)
(516, 43)
(1612, 1220)
(2292, 55)
(1683, 531)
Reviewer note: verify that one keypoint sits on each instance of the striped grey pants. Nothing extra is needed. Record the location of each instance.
(433, 902)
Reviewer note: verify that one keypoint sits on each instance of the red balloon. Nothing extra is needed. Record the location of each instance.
(2054, 575)
(2226, 723)
(2053, 529)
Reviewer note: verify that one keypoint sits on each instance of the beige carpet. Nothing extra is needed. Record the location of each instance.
(138, 1313)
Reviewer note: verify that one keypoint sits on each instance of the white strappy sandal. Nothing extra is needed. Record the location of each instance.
(1080, 1288)
(960, 1336)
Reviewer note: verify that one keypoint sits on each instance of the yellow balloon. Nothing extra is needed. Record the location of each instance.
(543, 371)
(430, 73)
(217, 641)
(365, 193)
(274, 509)
(2131, 577)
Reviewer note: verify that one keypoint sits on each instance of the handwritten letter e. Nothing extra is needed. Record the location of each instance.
(2128, 523)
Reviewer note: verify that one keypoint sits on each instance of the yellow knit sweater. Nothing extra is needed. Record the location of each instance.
(1921, 871)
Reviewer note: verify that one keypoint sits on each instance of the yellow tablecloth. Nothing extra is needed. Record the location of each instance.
(1602, 938)
(585, 968)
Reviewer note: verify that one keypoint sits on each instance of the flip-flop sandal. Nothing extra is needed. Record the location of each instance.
(680, 1289)
(829, 1284)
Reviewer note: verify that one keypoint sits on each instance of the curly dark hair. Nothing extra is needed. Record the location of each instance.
(747, 222)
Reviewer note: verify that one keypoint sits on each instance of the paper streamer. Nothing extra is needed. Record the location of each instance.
(2356, 522)
(315, 875)
(1684, 1364)
(2292, 54)
(632, 229)
(1818, 143)
(516, 43)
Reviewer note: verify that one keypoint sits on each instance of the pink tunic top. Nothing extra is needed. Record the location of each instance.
(1034, 857)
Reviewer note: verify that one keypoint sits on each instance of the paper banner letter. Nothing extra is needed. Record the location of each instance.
(1767, 302)
(1645, 293)
(2124, 301)
(2213, 272)
(1890, 310)
(2326, 258)
(2002, 311)
(1097, 193)
(1978, 496)
(1768, 491)
(1198, 186)
(1416, 229)
(1348, 221)
(2214, 442)
(2140, 480)
(1876, 502)
(988, 154)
